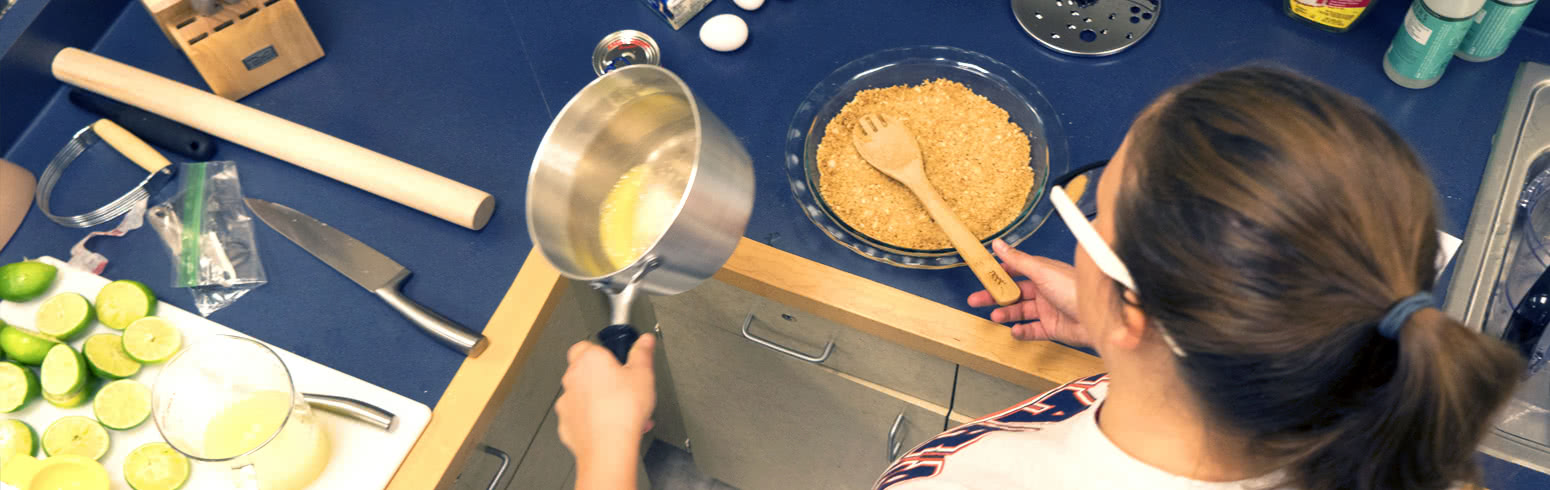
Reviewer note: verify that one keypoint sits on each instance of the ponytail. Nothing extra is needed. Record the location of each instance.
(1269, 222)
(1421, 428)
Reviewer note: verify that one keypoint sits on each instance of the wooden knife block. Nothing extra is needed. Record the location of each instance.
(243, 47)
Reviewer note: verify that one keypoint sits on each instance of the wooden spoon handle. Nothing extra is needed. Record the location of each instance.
(985, 266)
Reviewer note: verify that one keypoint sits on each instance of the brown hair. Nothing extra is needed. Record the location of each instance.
(1314, 217)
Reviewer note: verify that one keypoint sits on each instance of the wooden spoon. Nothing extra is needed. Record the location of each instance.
(891, 149)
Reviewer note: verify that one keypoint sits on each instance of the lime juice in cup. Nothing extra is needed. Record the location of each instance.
(229, 404)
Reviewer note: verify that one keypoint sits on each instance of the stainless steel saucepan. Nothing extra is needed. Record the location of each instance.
(636, 116)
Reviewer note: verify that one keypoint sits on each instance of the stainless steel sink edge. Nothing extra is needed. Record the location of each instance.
(1522, 139)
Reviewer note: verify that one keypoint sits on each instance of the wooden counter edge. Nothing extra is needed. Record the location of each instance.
(903, 318)
(473, 397)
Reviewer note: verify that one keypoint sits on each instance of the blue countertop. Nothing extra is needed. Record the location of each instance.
(443, 87)
(466, 90)
(793, 45)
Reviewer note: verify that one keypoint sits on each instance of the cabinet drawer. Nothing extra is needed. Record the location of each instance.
(774, 325)
(979, 394)
(762, 420)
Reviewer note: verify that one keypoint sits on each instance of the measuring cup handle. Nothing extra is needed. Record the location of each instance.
(618, 339)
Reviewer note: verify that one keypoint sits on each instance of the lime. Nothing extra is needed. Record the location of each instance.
(18, 471)
(156, 466)
(70, 471)
(122, 302)
(17, 387)
(25, 346)
(64, 372)
(64, 316)
(68, 401)
(23, 281)
(105, 353)
(75, 435)
(16, 437)
(151, 340)
(122, 404)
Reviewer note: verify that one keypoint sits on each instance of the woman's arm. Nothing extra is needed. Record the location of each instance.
(605, 409)
(1047, 310)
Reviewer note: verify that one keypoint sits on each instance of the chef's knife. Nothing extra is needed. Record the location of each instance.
(367, 267)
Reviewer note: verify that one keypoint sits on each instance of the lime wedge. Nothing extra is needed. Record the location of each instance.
(64, 372)
(64, 316)
(151, 340)
(122, 302)
(75, 435)
(16, 437)
(23, 281)
(25, 346)
(156, 466)
(105, 354)
(17, 386)
(122, 404)
(68, 401)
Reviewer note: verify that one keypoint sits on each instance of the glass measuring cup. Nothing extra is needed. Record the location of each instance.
(229, 404)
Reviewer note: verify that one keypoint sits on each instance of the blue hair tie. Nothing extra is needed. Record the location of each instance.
(1400, 313)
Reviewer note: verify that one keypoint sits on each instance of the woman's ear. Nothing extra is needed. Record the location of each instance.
(1133, 329)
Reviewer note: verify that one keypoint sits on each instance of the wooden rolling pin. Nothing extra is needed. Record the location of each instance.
(268, 134)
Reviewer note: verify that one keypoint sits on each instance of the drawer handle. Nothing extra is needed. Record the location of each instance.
(819, 359)
(893, 443)
(505, 463)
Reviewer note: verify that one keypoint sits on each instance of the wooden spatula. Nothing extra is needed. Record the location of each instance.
(891, 149)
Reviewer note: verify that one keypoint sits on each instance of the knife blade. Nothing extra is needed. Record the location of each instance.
(366, 267)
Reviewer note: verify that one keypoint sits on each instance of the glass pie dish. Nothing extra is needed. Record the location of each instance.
(987, 77)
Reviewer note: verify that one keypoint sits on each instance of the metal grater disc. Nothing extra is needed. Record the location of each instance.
(1087, 27)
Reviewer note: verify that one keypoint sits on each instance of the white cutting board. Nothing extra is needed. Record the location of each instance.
(363, 457)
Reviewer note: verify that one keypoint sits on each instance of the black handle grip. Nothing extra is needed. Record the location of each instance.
(618, 339)
(154, 129)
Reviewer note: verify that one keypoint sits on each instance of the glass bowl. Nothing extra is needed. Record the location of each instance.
(911, 66)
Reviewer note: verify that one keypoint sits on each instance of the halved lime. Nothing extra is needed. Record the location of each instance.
(75, 435)
(72, 472)
(68, 401)
(64, 372)
(17, 386)
(156, 466)
(25, 346)
(122, 404)
(122, 302)
(64, 316)
(151, 340)
(23, 281)
(105, 353)
(16, 437)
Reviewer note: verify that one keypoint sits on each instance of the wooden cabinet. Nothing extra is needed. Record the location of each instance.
(736, 311)
(760, 419)
(978, 394)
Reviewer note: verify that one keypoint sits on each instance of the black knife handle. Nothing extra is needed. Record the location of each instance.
(157, 130)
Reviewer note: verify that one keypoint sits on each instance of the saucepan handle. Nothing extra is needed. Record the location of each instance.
(619, 339)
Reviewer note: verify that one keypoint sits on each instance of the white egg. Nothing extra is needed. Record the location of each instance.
(749, 5)
(725, 32)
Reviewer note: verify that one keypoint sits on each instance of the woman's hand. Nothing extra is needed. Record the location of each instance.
(1047, 310)
(604, 410)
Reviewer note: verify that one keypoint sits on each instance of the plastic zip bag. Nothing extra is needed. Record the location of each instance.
(208, 232)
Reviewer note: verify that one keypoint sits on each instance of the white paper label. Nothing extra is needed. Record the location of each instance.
(1419, 32)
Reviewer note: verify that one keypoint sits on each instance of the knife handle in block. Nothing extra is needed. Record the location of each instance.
(130, 146)
(284, 140)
